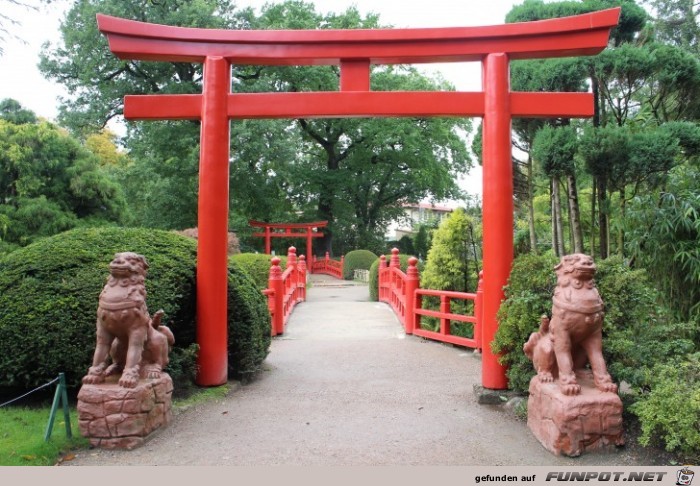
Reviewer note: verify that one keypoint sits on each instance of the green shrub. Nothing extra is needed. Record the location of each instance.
(49, 293)
(637, 333)
(249, 326)
(257, 265)
(528, 296)
(671, 411)
(357, 260)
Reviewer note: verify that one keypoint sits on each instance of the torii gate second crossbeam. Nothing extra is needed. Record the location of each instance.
(354, 51)
(289, 230)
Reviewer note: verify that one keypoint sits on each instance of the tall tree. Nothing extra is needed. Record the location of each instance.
(50, 183)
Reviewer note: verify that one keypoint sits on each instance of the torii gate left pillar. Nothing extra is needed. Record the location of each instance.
(354, 51)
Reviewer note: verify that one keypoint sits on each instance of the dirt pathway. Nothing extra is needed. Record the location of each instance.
(345, 386)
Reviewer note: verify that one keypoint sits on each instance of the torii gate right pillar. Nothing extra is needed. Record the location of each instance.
(497, 206)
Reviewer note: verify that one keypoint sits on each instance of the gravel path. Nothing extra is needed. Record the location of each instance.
(345, 386)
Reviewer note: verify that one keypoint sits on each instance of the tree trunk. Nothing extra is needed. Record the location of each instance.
(621, 231)
(603, 217)
(557, 218)
(531, 206)
(574, 214)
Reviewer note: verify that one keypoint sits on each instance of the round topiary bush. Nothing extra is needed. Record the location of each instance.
(49, 293)
(357, 260)
(257, 265)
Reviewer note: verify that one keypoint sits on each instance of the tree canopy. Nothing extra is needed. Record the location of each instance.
(355, 173)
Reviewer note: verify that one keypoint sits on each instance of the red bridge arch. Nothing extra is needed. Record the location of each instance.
(354, 51)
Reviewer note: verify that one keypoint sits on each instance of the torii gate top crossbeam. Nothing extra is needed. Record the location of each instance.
(569, 36)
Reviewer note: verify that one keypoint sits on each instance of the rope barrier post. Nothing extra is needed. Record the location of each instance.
(60, 396)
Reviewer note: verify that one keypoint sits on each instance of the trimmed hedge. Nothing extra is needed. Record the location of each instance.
(257, 265)
(357, 260)
(49, 292)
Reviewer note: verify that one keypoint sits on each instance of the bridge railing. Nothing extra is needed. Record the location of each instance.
(328, 266)
(285, 289)
(403, 293)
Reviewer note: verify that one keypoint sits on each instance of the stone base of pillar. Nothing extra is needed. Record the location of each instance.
(112, 417)
(573, 424)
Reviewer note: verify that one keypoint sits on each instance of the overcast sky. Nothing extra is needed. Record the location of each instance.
(20, 79)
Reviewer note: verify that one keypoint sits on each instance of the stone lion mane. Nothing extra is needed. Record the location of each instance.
(572, 338)
(137, 343)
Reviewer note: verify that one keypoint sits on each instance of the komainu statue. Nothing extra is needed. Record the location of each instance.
(572, 338)
(136, 342)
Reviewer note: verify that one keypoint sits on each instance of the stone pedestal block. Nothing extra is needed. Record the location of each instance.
(113, 417)
(572, 424)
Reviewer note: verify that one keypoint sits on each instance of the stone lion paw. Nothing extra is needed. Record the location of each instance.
(153, 372)
(606, 386)
(570, 389)
(130, 378)
(545, 376)
(95, 376)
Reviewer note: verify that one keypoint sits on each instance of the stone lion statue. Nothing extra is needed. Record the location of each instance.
(573, 337)
(137, 343)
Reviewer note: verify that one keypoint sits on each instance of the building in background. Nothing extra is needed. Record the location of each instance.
(416, 215)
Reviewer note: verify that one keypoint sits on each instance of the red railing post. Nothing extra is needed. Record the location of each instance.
(412, 282)
(293, 276)
(445, 308)
(395, 262)
(479, 310)
(276, 283)
(302, 278)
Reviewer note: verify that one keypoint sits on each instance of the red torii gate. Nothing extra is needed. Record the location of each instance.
(308, 233)
(354, 51)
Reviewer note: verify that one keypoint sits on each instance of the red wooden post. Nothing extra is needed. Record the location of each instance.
(291, 257)
(497, 207)
(277, 285)
(268, 243)
(479, 311)
(444, 321)
(412, 282)
(395, 262)
(212, 243)
(293, 277)
(381, 278)
(309, 249)
(302, 278)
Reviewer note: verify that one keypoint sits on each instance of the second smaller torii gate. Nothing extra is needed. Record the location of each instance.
(286, 230)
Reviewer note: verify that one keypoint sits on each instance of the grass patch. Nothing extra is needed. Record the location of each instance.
(201, 395)
(22, 432)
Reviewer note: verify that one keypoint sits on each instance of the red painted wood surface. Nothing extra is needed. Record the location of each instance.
(401, 291)
(355, 51)
(212, 243)
(570, 36)
(285, 289)
(328, 266)
(288, 230)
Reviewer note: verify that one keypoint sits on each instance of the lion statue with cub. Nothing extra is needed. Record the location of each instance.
(137, 343)
(573, 336)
